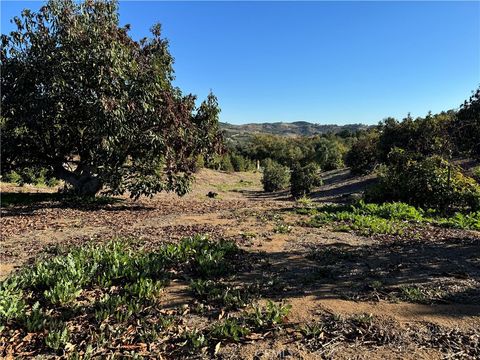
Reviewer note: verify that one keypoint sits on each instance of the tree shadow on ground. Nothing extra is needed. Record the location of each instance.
(24, 203)
(282, 195)
(440, 274)
(341, 187)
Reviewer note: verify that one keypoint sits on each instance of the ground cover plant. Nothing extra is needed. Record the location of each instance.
(116, 287)
(387, 218)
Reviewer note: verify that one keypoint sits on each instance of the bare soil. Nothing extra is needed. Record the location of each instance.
(316, 270)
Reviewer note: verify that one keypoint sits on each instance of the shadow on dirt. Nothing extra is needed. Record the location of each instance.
(444, 272)
(341, 184)
(24, 203)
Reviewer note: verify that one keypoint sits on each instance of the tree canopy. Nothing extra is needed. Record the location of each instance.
(96, 108)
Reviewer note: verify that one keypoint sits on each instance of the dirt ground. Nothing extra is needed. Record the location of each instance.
(316, 270)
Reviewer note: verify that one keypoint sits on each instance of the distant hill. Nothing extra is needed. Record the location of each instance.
(287, 129)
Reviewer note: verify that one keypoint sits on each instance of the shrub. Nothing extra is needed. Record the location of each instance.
(226, 164)
(429, 183)
(275, 176)
(476, 173)
(31, 176)
(304, 179)
(241, 163)
(363, 156)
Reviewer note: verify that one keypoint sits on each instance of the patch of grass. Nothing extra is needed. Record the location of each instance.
(239, 185)
(388, 218)
(195, 339)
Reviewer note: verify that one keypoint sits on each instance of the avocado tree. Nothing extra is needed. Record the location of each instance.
(467, 125)
(96, 108)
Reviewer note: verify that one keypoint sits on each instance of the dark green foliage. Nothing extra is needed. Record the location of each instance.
(226, 164)
(476, 173)
(275, 176)
(32, 176)
(429, 183)
(422, 137)
(325, 151)
(466, 128)
(79, 93)
(304, 178)
(363, 155)
(241, 163)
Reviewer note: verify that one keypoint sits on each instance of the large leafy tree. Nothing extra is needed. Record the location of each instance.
(467, 125)
(81, 98)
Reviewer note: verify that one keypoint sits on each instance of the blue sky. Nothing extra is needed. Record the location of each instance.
(324, 62)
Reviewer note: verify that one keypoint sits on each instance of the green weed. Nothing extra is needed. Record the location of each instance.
(412, 294)
(57, 338)
(270, 315)
(230, 329)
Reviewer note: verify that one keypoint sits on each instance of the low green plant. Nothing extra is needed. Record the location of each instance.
(269, 315)
(35, 320)
(476, 173)
(12, 305)
(282, 228)
(412, 294)
(388, 218)
(145, 288)
(311, 331)
(230, 329)
(461, 221)
(63, 292)
(305, 202)
(195, 339)
(57, 337)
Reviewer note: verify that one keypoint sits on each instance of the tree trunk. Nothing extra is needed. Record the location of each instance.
(83, 182)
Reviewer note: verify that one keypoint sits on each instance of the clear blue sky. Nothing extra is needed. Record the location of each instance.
(324, 62)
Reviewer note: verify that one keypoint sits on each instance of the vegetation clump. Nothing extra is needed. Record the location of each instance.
(387, 218)
(102, 110)
(275, 176)
(429, 183)
(304, 179)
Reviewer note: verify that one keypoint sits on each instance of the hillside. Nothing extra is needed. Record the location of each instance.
(287, 129)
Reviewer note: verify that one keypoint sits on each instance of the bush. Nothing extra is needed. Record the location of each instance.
(241, 163)
(33, 176)
(476, 173)
(275, 176)
(226, 164)
(363, 156)
(304, 179)
(429, 183)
